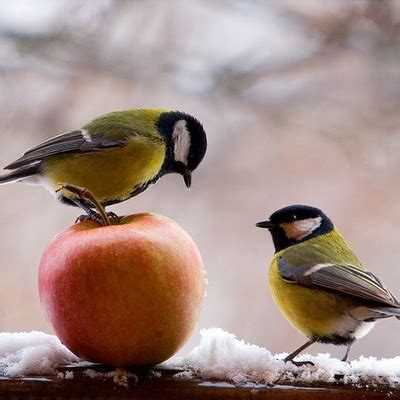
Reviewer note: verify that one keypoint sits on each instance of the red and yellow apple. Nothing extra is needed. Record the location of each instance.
(126, 294)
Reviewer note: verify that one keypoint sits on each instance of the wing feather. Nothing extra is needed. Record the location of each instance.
(70, 142)
(343, 278)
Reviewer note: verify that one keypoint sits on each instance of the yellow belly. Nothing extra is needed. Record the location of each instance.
(110, 174)
(313, 312)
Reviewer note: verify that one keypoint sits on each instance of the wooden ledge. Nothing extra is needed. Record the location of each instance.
(160, 383)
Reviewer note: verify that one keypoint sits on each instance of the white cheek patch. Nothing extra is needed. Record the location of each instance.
(181, 140)
(300, 229)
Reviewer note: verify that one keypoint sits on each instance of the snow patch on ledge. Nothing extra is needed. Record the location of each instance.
(221, 356)
(33, 353)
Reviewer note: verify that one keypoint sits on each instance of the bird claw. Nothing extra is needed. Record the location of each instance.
(113, 216)
(93, 216)
(300, 363)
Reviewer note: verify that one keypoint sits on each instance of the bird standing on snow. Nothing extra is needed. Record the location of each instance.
(319, 284)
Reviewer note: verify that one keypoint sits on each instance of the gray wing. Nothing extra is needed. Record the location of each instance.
(343, 278)
(75, 141)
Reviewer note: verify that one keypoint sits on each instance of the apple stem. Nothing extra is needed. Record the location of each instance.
(86, 194)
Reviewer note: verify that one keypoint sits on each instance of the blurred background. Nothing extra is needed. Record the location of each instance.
(300, 101)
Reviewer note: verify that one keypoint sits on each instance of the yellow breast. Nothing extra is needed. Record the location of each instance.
(312, 312)
(111, 174)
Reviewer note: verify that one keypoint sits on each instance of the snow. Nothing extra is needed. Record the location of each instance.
(66, 375)
(221, 356)
(33, 353)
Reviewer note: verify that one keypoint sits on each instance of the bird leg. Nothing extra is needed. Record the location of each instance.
(292, 355)
(344, 359)
(101, 217)
(90, 215)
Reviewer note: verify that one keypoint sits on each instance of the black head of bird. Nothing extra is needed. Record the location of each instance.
(186, 143)
(295, 224)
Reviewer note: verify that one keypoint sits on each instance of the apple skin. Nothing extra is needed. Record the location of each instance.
(128, 294)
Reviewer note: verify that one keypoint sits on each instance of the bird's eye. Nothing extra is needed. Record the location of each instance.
(294, 217)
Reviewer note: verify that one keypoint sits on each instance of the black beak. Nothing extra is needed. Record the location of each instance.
(265, 224)
(187, 177)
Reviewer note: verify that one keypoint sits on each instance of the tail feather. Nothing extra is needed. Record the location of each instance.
(20, 173)
(389, 311)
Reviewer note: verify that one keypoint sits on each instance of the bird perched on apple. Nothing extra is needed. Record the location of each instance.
(122, 291)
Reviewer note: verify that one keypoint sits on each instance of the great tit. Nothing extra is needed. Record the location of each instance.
(115, 156)
(319, 284)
